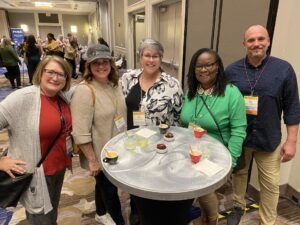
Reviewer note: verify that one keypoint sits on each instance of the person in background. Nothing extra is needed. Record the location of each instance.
(52, 46)
(21, 49)
(218, 107)
(102, 41)
(61, 49)
(71, 37)
(153, 92)
(33, 53)
(70, 56)
(269, 86)
(34, 116)
(2, 38)
(10, 60)
(99, 111)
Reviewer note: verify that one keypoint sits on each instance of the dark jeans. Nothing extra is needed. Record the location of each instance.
(154, 212)
(107, 199)
(54, 184)
(73, 65)
(13, 72)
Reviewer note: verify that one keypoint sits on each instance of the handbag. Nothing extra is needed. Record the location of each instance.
(240, 164)
(11, 189)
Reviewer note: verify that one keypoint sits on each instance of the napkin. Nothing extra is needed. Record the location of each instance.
(145, 132)
(207, 167)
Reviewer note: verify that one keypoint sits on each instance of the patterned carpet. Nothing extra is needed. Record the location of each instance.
(77, 205)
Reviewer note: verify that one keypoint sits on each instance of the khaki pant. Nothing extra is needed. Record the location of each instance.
(209, 205)
(268, 164)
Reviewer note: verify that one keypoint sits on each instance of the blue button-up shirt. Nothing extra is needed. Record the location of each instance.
(276, 87)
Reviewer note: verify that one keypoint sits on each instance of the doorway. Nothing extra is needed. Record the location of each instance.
(139, 33)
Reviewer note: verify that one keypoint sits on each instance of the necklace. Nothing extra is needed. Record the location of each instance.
(206, 92)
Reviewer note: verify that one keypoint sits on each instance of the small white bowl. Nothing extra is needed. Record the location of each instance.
(168, 139)
(162, 151)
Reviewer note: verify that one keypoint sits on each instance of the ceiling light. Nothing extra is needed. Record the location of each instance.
(43, 4)
(24, 27)
(73, 29)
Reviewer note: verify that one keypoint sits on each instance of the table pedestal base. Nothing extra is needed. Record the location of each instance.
(154, 212)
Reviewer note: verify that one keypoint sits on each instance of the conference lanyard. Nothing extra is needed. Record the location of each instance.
(252, 87)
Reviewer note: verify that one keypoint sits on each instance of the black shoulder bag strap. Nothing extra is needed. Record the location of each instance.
(214, 118)
(52, 143)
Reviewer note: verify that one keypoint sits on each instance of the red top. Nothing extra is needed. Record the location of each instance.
(49, 127)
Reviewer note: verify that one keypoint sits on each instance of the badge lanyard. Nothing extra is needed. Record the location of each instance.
(61, 116)
(139, 117)
(251, 102)
(252, 87)
(196, 114)
(69, 146)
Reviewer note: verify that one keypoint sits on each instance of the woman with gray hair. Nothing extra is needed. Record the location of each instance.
(158, 97)
(151, 90)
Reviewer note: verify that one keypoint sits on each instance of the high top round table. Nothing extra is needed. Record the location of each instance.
(160, 181)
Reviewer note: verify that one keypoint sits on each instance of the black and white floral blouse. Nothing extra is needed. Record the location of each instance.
(161, 103)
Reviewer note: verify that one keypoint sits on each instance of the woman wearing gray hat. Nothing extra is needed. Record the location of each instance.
(98, 114)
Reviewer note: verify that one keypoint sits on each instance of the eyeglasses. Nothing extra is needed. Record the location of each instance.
(52, 74)
(154, 57)
(207, 66)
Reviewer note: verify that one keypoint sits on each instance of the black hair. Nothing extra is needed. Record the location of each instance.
(31, 44)
(51, 36)
(193, 83)
(102, 41)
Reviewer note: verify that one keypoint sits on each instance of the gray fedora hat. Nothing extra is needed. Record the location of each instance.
(97, 51)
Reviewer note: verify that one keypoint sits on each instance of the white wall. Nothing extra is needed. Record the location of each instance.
(286, 45)
(3, 24)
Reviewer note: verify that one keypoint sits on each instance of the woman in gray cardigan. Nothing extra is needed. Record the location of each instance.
(33, 117)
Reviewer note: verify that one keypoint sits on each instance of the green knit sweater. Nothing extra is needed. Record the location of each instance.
(9, 57)
(229, 111)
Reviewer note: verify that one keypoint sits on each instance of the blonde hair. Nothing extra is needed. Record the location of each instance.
(6, 42)
(64, 65)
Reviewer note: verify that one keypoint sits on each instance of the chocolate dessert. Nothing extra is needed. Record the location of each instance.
(161, 146)
(169, 136)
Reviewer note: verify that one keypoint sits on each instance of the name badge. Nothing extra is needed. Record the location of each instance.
(69, 146)
(139, 118)
(251, 103)
(120, 122)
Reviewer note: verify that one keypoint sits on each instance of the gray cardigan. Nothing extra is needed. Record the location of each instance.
(20, 114)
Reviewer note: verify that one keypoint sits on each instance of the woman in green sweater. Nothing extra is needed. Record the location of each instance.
(209, 91)
(10, 61)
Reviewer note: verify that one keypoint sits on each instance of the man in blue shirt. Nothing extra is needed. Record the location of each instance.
(269, 86)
